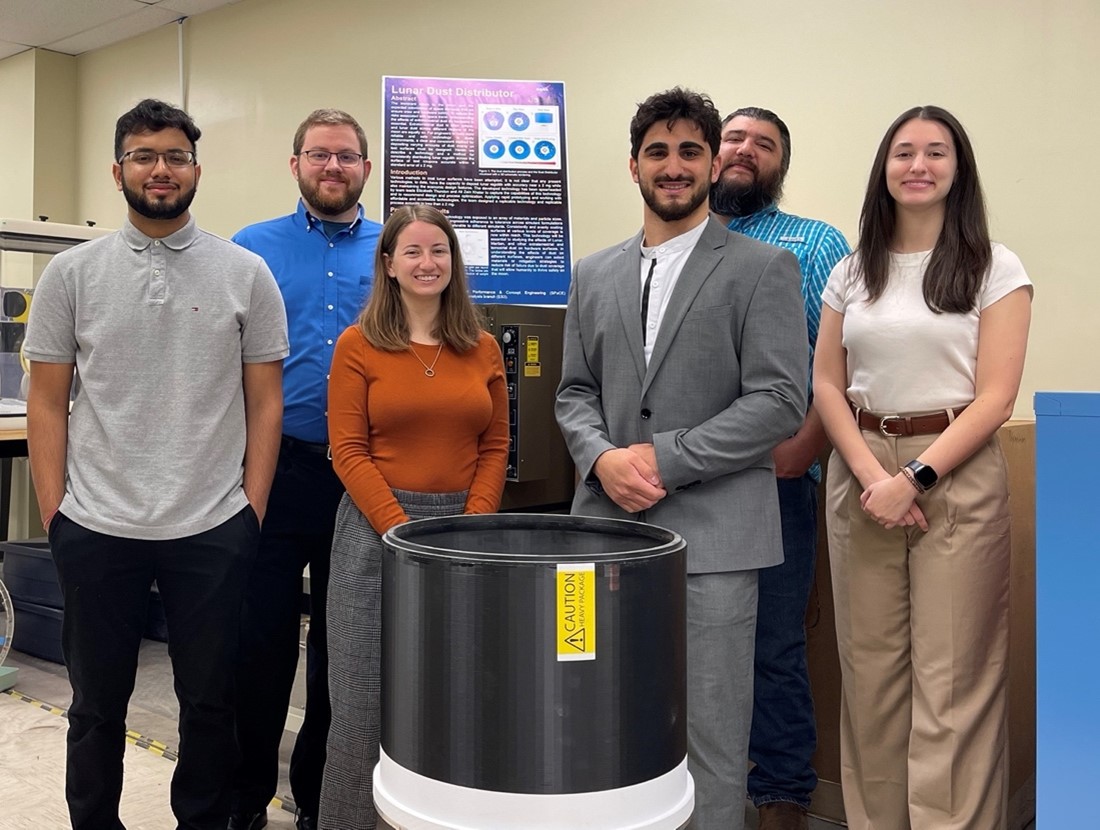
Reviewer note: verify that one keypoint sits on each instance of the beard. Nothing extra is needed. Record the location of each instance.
(158, 209)
(329, 205)
(740, 199)
(676, 210)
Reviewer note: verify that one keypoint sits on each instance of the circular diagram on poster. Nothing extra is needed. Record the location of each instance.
(519, 121)
(545, 150)
(519, 149)
(493, 120)
(494, 148)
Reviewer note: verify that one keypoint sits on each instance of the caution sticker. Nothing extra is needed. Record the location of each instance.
(576, 607)
(532, 366)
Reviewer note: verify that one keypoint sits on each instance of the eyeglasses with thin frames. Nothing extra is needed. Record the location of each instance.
(321, 157)
(148, 158)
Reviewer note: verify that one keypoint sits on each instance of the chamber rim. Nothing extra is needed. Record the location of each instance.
(653, 540)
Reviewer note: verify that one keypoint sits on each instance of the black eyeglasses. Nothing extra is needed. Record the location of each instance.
(147, 158)
(320, 157)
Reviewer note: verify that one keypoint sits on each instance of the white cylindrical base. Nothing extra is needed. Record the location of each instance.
(410, 801)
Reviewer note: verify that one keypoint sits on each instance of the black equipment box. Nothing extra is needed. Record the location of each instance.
(38, 631)
(29, 573)
(31, 578)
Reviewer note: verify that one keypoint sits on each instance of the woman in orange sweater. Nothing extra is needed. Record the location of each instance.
(418, 423)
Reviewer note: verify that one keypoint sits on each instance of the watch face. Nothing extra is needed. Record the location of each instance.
(926, 477)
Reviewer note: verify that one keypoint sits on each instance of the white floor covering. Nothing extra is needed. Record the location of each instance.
(32, 749)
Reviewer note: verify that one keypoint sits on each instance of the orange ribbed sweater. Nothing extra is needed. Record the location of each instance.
(391, 426)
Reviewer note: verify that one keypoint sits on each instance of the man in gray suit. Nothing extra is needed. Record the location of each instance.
(684, 365)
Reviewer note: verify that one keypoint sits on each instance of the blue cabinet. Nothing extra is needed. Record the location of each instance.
(1068, 601)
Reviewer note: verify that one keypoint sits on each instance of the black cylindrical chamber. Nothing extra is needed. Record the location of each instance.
(491, 678)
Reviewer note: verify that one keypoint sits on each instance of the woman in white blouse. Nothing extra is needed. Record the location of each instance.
(919, 357)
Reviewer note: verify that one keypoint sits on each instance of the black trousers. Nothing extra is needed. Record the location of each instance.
(297, 531)
(106, 581)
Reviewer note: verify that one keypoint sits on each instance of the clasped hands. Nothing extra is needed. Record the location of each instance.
(892, 502)
(630, 477)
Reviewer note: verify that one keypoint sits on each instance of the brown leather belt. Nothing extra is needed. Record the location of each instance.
(895, 426)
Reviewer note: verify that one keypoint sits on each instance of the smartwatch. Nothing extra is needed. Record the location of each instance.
(924, 475)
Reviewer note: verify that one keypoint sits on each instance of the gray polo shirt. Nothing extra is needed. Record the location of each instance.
(158, 330)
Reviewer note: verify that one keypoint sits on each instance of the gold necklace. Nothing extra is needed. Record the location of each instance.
(429, 371)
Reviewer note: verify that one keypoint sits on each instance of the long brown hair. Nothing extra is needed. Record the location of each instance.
(962, 253)
(383, 320)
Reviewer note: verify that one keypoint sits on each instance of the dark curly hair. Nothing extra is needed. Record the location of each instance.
(152, 116)
(670, 106)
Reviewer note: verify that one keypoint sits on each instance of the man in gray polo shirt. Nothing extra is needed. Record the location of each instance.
(163, 469)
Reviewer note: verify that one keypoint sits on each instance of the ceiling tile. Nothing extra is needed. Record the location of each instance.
(38, 22)
(192, 7)
(77, 26)
(149, 18)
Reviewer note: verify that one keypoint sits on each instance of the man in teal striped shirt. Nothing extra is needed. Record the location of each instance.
(754, 157)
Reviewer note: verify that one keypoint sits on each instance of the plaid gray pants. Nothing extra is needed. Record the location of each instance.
(354, 647)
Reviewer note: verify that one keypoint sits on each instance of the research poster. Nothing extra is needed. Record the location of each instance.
(491, 155)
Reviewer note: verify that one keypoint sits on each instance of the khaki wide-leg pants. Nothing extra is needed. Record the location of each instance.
(922, 629)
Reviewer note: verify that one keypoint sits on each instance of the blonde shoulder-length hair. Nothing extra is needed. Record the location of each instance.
(383, 320)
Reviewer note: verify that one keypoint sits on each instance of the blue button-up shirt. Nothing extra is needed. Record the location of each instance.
(818, 245)
(324, 283)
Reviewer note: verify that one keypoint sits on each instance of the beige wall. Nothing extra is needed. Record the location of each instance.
(17, 136)
(38, 141)
(1021, 75)
(38, 136)
(56, 137)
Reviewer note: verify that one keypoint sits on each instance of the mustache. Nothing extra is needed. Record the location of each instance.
(749, 163)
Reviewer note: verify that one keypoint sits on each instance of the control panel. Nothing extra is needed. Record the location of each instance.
(539, 472)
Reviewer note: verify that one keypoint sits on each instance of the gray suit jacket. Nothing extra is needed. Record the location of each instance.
(725, 384)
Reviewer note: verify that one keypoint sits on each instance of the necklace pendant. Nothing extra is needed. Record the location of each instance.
(429, 370)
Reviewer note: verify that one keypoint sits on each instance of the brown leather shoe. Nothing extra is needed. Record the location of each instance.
(781, 815)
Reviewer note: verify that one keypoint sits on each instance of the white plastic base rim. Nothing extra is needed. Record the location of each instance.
(410, 801)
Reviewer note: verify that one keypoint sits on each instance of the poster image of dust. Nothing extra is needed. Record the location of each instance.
(492, 156)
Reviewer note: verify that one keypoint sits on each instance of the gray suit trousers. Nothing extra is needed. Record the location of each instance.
(721, 632)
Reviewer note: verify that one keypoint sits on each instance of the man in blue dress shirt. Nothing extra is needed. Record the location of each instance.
(322, 256)
(754, 157)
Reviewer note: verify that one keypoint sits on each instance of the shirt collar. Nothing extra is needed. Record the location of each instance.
(176, 241)
(683, 242)
(738, 223)
(310, 222)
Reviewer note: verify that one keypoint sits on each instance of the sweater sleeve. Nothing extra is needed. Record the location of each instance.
(488, 484)
(349, 434)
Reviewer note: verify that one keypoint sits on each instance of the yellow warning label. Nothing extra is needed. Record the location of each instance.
(532, 370)
(532, 349)
(576, 612)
